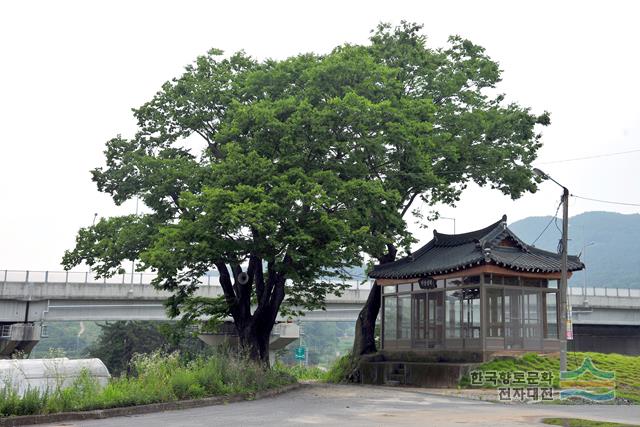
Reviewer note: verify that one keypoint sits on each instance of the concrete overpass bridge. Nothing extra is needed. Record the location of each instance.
(27, 296)
(30, 298)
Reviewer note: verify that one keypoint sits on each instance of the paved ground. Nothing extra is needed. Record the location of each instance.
(324, 405)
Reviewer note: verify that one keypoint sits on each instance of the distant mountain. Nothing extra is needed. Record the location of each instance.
(613, 260)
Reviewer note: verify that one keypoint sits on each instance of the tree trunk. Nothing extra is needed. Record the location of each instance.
(254, 330)
(254, 343)
(365, 337)
(364, 342)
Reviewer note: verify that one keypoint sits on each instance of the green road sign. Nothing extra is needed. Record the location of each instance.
(299, 353)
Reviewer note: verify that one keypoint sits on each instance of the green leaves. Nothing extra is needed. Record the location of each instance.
(111, 241)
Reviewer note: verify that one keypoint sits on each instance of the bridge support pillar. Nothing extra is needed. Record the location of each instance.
(281, 335)
(18, 337)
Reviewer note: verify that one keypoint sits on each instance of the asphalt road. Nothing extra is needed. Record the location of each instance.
(336, 405)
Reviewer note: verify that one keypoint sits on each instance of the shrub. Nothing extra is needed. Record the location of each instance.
(209, 376)
(9, 401)
(32, 402)
(182, 382)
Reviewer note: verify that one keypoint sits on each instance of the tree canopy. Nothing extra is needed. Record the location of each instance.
(291, 170)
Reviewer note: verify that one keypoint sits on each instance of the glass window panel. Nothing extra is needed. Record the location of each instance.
(495, 302)
(496, 280)
(390, 317)
(538, 283)
(552, 315)
(471, 280)
(512, 280)
(453, 314)
(419, 317)
(404, 287)
(404, 317)
(553, 284)
(454, 282)
(389, 289)
(471, 312)
(532, 321)
(513, 318)
(435, 314)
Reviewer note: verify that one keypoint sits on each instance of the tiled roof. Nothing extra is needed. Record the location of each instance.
(446, 253)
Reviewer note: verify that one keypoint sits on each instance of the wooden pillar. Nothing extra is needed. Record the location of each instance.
(483, 316)
(381, 316)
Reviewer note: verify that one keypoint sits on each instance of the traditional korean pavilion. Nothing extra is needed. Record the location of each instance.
(484, 291)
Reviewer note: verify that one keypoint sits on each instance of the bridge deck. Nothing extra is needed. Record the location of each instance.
(69, 296)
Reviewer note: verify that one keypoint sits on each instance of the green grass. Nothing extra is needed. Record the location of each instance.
(626, 368)
(158, 377)
(577, 422)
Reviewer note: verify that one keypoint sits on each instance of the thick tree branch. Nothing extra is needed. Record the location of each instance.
(227, 287)
(390, 255)
(409, 203)
(236, 270)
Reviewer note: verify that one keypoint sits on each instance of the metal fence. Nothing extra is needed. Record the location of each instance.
(31, 276)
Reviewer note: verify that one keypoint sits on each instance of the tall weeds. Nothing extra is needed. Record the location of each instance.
(156, 377)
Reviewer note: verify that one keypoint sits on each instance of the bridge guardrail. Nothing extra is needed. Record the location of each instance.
(45, 276)
(592, 291)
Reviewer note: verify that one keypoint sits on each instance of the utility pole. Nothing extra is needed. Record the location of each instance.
(563, 307)
(563, 280)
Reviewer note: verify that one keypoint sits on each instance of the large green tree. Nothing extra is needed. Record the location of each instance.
(471, 135)
(281, 174)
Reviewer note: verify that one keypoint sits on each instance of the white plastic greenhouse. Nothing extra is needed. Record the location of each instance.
(49, 374)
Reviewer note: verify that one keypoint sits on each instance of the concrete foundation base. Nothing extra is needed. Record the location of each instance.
(441, 370)
(434, 375)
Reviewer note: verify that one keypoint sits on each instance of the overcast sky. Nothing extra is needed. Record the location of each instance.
(71, 71)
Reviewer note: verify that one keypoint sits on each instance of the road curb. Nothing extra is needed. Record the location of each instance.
(141, 409)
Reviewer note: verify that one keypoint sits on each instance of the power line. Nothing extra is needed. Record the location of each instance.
(471, 170)
(606, 201)
(595, 156)
(553, 219)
